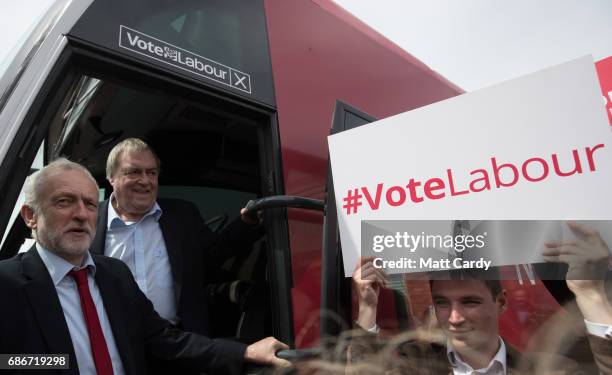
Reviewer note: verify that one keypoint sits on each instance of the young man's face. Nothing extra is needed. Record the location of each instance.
(468, 313)
(135, 184)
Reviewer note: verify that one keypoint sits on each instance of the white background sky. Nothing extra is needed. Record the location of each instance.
(473, 43)
(17, 18)
(476, 43)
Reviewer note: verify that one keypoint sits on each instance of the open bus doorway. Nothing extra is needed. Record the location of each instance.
(215, 154)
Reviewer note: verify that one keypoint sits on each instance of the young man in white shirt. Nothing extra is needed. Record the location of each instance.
(468, 310)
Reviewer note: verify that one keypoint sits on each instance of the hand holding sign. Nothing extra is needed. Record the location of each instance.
(588, 257)
(512, 151)
(367, 281)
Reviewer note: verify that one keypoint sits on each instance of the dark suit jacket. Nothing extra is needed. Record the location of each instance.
(193, 250)
(32, 321)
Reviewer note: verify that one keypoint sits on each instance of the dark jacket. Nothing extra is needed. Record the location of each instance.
(193, 251)
(32, 321)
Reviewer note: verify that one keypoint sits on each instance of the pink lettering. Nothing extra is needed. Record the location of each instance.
(376, 201)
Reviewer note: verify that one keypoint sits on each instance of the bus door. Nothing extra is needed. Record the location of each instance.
(337, 310)
(191, 78)
(338, 304)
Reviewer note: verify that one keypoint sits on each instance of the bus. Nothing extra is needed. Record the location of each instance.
(237, 97)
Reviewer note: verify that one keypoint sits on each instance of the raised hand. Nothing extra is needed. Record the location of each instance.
(367, 281)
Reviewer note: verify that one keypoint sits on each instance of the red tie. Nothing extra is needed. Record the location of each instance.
(96, 337)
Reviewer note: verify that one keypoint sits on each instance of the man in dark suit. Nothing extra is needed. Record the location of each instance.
(61, 299)
(164, 243)
(193, 251)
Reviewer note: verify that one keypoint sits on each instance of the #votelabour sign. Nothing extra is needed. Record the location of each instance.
(534, 148)
(159, 50)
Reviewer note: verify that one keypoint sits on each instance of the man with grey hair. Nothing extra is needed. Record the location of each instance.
(164, 242)
(62, 299)
(46, 229)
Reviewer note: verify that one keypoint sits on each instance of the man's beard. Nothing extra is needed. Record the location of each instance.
(60, 244)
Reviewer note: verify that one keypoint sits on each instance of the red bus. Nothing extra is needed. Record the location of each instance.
(237, 97)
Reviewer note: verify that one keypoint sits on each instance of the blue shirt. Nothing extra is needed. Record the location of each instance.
(70, 300)
(141, 246)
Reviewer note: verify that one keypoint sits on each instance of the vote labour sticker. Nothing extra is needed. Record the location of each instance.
(183, 59)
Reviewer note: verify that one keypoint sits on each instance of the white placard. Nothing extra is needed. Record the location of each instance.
(452, 159)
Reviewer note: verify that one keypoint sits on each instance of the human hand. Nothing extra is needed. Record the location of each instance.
(367, 281)
(587, 258)
(263, 352)
(251, 219)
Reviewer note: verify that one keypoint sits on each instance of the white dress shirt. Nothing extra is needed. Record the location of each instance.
(598, 329)
(141, 246)
(497, 366)
(69, 298)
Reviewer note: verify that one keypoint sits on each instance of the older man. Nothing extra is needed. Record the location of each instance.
(61, 299)
(468, 311)
(164, 242)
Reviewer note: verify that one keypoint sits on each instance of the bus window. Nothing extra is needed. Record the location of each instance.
(17, 234)
(222, 42)
(336, 300)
